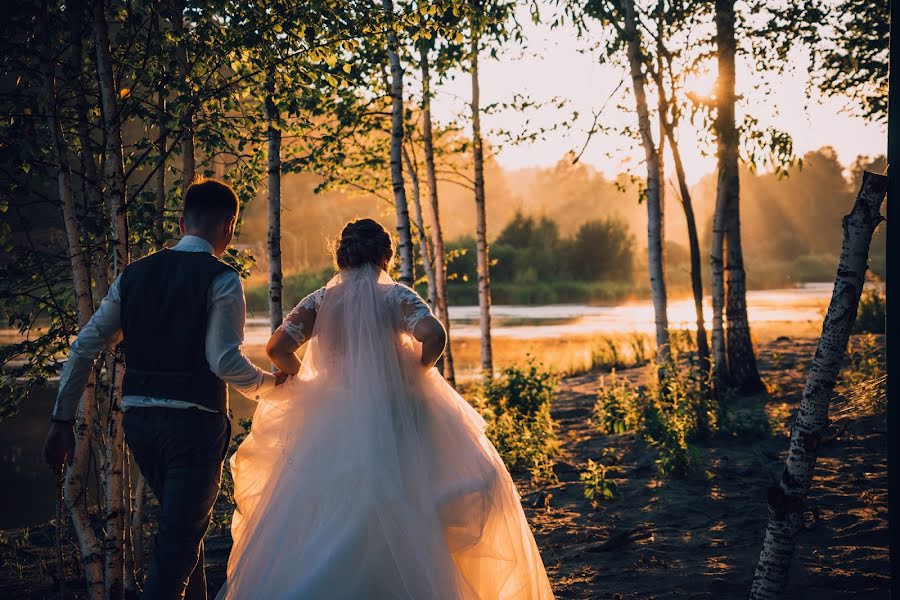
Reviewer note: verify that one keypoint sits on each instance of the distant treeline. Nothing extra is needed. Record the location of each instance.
(530, 264)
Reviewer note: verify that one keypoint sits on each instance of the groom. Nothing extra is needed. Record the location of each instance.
(181, 314)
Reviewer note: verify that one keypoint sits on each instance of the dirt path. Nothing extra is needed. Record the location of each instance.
(700, 538)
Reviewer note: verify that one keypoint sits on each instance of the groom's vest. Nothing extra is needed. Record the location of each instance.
(164, 315)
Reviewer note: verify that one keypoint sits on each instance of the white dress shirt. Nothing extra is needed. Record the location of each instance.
(224, 337)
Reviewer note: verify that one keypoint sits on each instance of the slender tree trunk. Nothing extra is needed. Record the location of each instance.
(187, 135)
(440, 265)
(137, 525)
(655, 256)
(482, 261)
(404, 238)
(787, 499)
(159, 224)
(115, 445)
(273, 135)
(742, 369)
(74, 485)
(424, 247)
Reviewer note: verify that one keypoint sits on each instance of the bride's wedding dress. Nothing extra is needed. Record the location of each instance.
(368, 476)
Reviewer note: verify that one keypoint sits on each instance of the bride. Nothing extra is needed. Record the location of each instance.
(366, 475)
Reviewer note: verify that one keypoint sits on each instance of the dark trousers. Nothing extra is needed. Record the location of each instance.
(180, 452)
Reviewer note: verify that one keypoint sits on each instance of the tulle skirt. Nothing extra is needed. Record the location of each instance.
(387, 489)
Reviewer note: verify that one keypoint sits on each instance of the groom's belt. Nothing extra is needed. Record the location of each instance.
(200, 386)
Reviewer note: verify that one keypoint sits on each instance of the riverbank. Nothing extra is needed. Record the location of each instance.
(693, 538)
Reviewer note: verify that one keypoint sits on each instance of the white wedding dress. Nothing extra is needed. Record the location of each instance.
(367, 475)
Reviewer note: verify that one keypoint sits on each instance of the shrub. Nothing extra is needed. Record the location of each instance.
(516, 407)
(669, 421)
(597, 487)
(871, 313)
(617, 408)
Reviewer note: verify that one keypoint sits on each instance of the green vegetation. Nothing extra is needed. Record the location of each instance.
(870, 316)
(664, 417)
(597, 486)
(516, 406)
(532, 264)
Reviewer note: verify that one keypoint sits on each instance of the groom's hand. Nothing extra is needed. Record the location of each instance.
(59, 447)
(280, 377)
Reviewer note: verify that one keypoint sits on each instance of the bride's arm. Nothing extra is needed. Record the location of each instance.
(293, 332)
(431, 333)
(282, 349)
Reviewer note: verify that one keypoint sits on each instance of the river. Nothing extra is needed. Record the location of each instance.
(563, 337)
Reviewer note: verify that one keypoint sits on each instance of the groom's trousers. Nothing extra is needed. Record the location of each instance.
(180, 452)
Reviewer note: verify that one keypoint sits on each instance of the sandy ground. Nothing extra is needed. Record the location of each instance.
(697, 538)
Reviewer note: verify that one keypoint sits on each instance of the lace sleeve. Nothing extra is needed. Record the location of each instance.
(412, 308)
(299, 322)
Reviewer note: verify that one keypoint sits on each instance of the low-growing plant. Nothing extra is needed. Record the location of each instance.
(618, 406)
(669, 421)
(516, 407)
(863, 379)
(639, 348)
(871, 312)
(597, 486)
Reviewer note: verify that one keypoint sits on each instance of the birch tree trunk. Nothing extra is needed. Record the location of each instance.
(440, 265)
(76, 473)
(187, 134)
(160, 217)
(703, 358)
(424, 247)
(273, 136)
(655, 257)
(482, 260)
(404, 239)
(787, 499)
(114, 517)
(742, 370)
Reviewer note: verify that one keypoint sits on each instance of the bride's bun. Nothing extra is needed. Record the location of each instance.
(362, 242)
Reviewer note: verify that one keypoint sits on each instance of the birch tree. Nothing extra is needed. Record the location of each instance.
(655, 215)
(482, 260)
(741, 359)
(273, 136)
(76, 473)
(404, 239)
(787, 499)
(114, 517)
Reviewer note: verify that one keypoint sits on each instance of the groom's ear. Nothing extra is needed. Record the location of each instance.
(181, 224)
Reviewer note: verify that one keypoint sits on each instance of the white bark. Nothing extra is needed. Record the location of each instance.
(482, 260)
(655, 229)
(787, 499)
(114, 545)
(404, 238)
(440, 265)
(76, 473)
(424, 246)
(273, 136)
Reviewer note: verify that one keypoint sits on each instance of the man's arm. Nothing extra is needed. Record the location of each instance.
(225, 336)
(104, 328)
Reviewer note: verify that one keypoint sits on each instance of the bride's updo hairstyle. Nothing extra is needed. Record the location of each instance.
(362, 242)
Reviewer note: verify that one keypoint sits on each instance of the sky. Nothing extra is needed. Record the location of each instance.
(550, 65)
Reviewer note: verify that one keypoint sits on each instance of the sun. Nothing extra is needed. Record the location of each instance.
(701, 82)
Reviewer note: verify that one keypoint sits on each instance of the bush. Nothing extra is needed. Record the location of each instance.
(294, 288)
(516, 407)
(669, 421)
(871, 313)
(617, 408)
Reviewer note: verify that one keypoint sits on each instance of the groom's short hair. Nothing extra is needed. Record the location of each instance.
(208, 203)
